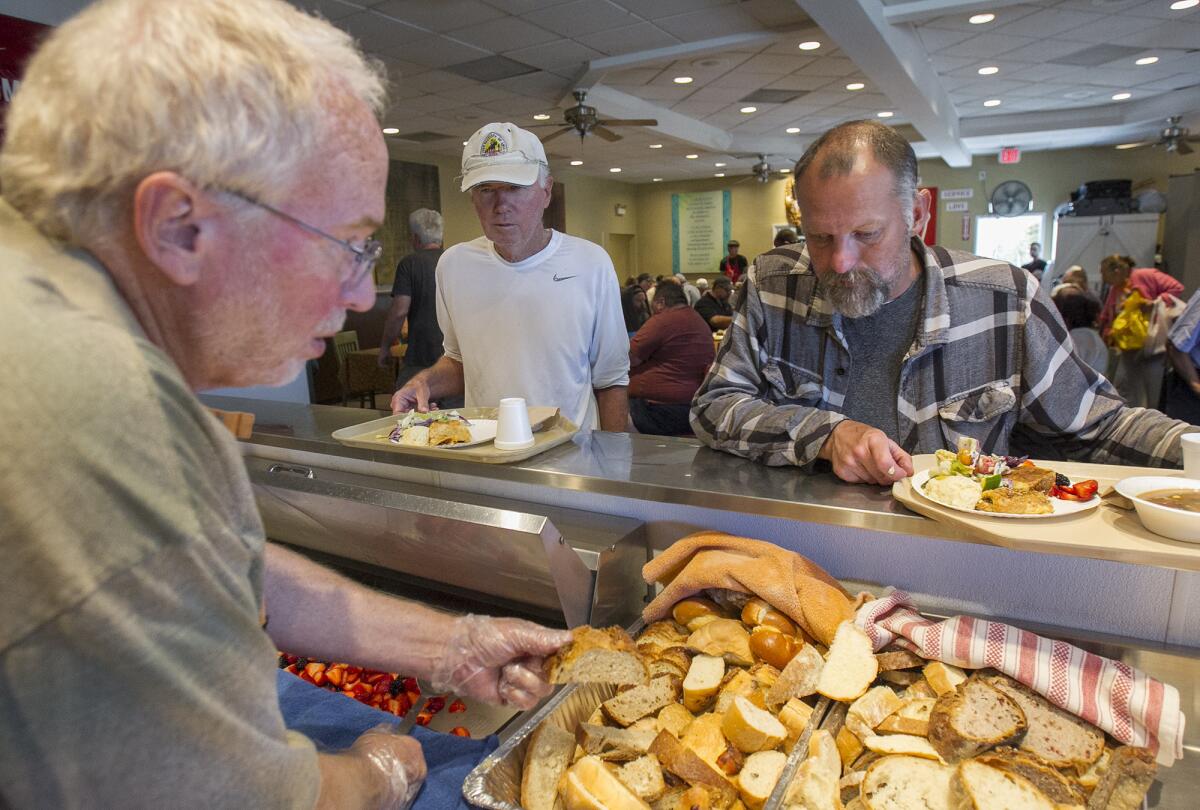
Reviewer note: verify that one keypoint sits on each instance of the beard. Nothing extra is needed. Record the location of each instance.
(856, 294)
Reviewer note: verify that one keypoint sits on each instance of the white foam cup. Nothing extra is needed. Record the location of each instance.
(512, 425)
(1191, 454)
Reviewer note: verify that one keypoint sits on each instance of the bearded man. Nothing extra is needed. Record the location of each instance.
(866, 345)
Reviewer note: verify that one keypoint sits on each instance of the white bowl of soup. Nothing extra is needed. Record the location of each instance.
(1166, 505)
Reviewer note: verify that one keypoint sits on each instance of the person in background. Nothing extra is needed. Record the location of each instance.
(689, 289)
(414, 297)
(714, 306)
(1137, 377)
(1182, 394)
(635, 308)
(702, 286)
(1035, 265)
(668, 358)
(1076, 277)
(866, 345)
(733, 266)
(1079, 310)
(786, 236)
(630, 281)
(653, 289)
(525, 311)
(219, 245)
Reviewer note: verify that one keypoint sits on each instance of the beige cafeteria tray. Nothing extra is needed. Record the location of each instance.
(550, 429)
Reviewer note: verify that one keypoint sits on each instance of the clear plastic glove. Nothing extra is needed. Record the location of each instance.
(398, 759)
(497, 660)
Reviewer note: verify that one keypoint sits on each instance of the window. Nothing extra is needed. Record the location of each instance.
(1008, 238)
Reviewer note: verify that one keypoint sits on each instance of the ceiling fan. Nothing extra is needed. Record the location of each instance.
(760, 171)
(1174, 138)
(584, 119)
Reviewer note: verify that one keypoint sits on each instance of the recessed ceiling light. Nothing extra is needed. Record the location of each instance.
(719, 174)
(390, 131)
(541, 117)
(785, 171)
(792, 130)
(884, 114)
(719, 165)
(655, 179)
(1121, 96)
(992, 102)
(989, 70)
(576, 162)
(1127, 145)
(691, 157)
(811, 45)
(855, 86)
(1146, 60)
(464, 143)
(656, 146)
(1182, 4)
(980, 19)
(615, 169)
(682, 80)
(748, 110)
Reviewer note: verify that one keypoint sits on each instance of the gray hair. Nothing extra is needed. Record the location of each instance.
(839, 148)
(426, 224)
(228, 93)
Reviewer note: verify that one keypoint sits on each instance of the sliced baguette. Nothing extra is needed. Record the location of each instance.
(1124, 783)
(674, 718)
(850, 666)
(737, 682)
(899, 659)
(686, 764)
(593, 655)
(705, 738)
(799, 678)
(751, 728)
(1064, 792)
(794, 715)
(632, 705)
(911, 718)
(613, 744)
(977, 786)
(904, 783)
(758, 777)
(973, 718)
(702, 681)
(815, 785)
(906, 744)
(1059, 737)
(870, 710)
(943, 678)
(659, 637)
(546, 760)
(849, 746)
(590, 785)
(644, 777)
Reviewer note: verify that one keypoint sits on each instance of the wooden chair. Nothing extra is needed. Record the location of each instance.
(343, 344)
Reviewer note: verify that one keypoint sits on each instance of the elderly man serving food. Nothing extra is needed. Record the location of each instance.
(866, 345)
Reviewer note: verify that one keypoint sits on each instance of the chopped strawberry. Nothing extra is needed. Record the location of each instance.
(435, 704)
(1086, 489)
(459, 731)
(423, 718)
(335, 676)
(393, 706)
(410, 685)
(457, 706)
(383, 687)
(316, 673)
(403, 703)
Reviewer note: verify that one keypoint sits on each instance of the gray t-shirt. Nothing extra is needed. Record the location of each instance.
(133, 671)
(877, 345)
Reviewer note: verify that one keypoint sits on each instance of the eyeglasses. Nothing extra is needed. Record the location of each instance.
(365, 256)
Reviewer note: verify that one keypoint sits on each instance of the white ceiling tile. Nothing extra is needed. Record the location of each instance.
(558, 54)
(1112, 29)
(631, 76)
(504, 34)
(697, 107)
(744, 81)
(986, 46)
(779, 64)
(658, 92)
(775, 13)
(799, 81)
(950, 64)
(830, 66)
(440, 16)
(379, 34)
(867, 101)
(705, 24)
(1047, 22)
(581, 17)
(722, 94)
(640, 37)
(934, 39)
(329, 9)
(961, 21)
(1181, 34)
(438, 52)
(654, 9)
(543, 86)
(519, 6)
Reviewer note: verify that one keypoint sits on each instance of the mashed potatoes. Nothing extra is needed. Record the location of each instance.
(954, 490)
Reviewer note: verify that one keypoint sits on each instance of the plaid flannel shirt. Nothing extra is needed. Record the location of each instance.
(991, 359)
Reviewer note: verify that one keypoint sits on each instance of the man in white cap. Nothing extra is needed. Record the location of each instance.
(525, 311)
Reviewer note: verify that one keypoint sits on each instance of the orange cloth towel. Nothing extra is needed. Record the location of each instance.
(787, 581)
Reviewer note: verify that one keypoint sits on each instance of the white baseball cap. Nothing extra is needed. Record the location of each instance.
(502, 153)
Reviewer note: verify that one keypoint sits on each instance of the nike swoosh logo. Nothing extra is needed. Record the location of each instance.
(563, 278)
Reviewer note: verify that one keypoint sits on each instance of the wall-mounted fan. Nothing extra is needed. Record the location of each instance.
(584, 119)
(1010, 199)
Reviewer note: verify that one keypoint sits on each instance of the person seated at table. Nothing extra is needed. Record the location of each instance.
(635, 308)
(866, 345)
(1079, 310)
(1075, 276)
(713, 305)
(668, 357)
(147, 256)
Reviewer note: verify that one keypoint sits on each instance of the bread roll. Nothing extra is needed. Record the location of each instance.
(757, 612)
(695, 611)
(758, 777)
(774, 647)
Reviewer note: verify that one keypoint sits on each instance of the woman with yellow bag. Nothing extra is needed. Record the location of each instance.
(1125, 322)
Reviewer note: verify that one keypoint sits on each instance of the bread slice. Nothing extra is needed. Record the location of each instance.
(590, 785)
(671, 661)
(973, 718)
(751, 728)
(613, 744)
(705, 738)
(899, 659)
(606, 655)
(702, 682)
(546, 759)
(1124, 783)
(904, 783)
(869, 710)
(977, 786)
(674, 718)
(850, 666)
(849, 746)
(758, 777)
(1091, 777)
(901, 677)
(1065, 793)
(644, 777)
(688, 766)
(906, 744)
(629, 706)
(737, 683)
(727, 638)
(799, 678)
(660, 637)
(943, 677)
(794, 715)
(815, 785)
(1057, 736)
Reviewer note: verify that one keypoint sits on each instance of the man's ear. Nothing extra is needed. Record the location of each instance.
(169, 222)
(922, 203)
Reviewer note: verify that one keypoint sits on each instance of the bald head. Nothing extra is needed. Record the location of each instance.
(840, 150)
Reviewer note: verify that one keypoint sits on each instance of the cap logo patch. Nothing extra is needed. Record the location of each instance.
(493, 144)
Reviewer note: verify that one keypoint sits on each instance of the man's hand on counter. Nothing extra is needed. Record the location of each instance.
(497, 660)
(862, 454)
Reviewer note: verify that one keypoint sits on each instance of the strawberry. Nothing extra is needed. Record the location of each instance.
(1086, 489)
(410, 685)
(316, 673)
(335, 675)
(423, 718)
(435, 704)
(459, 731)
(457, 706)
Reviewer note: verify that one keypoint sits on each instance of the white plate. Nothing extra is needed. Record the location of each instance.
(482, 430)
(1060, 506)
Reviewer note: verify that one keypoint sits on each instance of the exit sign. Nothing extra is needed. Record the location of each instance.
(1010, 154)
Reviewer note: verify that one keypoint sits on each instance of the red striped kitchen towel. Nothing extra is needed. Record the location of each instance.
(1130, 705)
